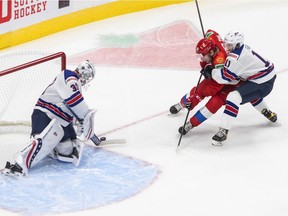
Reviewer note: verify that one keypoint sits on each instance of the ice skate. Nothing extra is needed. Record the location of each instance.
(188, 126)
(13, 170)
(175, 108)
(269, 115)
(219, 137)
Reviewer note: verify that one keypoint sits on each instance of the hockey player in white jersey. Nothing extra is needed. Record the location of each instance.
(53, 130)
(257, 74)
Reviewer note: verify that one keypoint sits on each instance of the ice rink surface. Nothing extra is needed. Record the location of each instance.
(247, 176)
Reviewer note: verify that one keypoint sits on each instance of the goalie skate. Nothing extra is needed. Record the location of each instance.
(13, 170)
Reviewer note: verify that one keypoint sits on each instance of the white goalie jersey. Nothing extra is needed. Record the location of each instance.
(64, 91)
(244, 64)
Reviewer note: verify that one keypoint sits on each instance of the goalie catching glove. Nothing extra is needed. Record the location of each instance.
(85, 127)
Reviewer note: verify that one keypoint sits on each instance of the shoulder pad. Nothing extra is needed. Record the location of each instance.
(233, 56)
(70, 76)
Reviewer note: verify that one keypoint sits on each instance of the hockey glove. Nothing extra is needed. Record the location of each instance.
(192, 101)
(79, 128)
(188, 104)
(207, 70)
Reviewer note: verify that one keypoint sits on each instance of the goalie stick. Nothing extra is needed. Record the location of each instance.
(104, 141)
(95, 139)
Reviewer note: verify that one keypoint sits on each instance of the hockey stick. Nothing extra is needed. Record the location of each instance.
(200, 77)
(200, 19)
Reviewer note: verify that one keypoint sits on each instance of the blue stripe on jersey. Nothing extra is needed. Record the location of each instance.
(30, 157)
(263, 73)
(75, 99)
(228, 75)
(69, 73)
(184, 99)
(238, 50)
(231, 109)
(230, 113)
(199, 116)
(55, 110)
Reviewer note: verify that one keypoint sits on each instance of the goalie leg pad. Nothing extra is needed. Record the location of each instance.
(69, 151)
(40, 146)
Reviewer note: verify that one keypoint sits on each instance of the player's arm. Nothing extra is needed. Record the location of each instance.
(69, 89)
(229, 73)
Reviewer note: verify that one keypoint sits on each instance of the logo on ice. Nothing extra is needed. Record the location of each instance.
(16, 9)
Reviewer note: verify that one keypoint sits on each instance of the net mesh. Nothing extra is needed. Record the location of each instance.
(21, 88)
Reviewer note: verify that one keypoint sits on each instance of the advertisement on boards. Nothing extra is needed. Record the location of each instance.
(16, 14)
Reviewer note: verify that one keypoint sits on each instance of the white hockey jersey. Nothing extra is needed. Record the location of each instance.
(244, 64)
(66, 90)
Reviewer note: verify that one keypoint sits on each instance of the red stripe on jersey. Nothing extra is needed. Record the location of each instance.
(227, 75)
(55, 110)
(72, 78)
(75, 99)
(30, 153)
(231, 109)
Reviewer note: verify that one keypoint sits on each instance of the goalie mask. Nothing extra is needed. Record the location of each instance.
(86, 72)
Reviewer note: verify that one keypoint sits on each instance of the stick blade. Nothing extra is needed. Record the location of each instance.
(113, 141)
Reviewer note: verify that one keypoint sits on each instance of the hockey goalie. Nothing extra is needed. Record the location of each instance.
(53, 132)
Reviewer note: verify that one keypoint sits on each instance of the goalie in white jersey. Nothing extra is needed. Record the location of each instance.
(257, 73)
(53, 130)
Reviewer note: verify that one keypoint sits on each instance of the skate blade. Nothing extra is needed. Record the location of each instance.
(217, 143)
(8, 172)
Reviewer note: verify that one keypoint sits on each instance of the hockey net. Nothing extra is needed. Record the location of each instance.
(24, 75)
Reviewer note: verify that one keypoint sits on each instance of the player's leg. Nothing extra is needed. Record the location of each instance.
(260, 105)
(245, 93)
(231, 110)
(211, 107)
(38, 148)
(202, 92)
(69, 149)
(182, 104)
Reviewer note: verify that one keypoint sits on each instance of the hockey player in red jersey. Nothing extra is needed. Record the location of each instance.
(53, 130)
(212, 54)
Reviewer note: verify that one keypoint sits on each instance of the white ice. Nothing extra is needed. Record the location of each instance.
(248, 176)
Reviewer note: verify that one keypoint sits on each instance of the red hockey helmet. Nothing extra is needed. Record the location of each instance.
(204, 46)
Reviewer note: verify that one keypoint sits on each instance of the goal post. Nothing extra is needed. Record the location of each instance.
(24, 75)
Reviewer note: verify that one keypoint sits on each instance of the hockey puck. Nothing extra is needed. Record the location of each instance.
(103, 139)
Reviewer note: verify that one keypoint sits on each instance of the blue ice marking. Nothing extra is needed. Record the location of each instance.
(102, 178)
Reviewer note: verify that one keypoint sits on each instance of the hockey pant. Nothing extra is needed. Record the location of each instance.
(212, 106)
(207, 87)
(247, 92)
